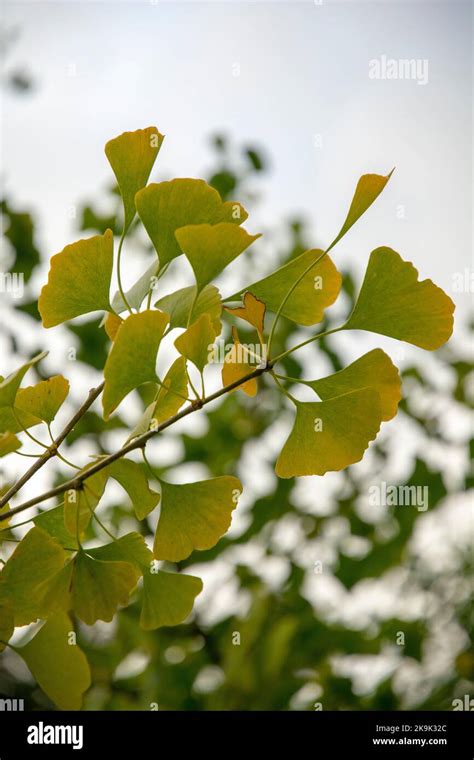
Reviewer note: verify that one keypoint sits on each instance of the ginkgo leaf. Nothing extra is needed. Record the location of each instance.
(132, 358)
(179, 304)
(52, 521)
(44, 399)
(237, 364)
(111, 325)
(78, 280)
(194, 516)
(99, 587)
(211, 248)
(13, 420)
(393, 302)
(330, 435)
(367, 191)
(167, 206)
(137, 292)
(59, 666)
(25, 576)
(9, 386)
(253, 311)
(373, 370)
(9, 443)
(7, 625)
(133, 480)
(79, 505)
(168, 598)
(131, 156)
(317, 290)
(129, 548)
(197, 341)
(173, 392)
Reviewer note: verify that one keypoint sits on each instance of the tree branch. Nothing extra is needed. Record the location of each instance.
(51, 450)
(76, 484)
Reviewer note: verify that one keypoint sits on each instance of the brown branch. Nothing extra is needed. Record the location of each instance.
(51, 450)
(76, 484)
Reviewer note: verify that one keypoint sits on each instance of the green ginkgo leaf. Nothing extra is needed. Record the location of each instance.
(78, 281)
(79, 505)
(179, 304)
(168, 598)
(173, 392)
(167, 206)
(57, 663)
(330, 435)
(137, 292)
(14, 420)
(129, 548)
(367, 191)
(317, 290)
(373, 370)
(132, 358)
(211, 248)
(7, 625)
(44, 399)
(393, 302)
(25, 577)
(197, 341)
(131, 156)
(133, 480)
(52, 521)
(100, 587)
(9, 386)
(194, 516)
(8, 443)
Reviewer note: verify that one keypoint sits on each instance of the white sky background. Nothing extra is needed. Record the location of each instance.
(304, 73)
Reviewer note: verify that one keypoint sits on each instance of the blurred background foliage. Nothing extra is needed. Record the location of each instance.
(314, 600)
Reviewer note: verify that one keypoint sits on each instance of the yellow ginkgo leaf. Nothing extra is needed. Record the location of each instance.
(78, 281)
(167, 206)
(9, 386)
(131, 156)
(373, 370)
(79, 505)
(132, 358)
(8, 443)
(44, 399)
(112, 323)
(253, 311)
(393, 302)
(237, 364)
(197, 341)
(173, 392)
(168, 598)
(133, 480)
(367, 191)
(60, 667)
(330, 435)
(194, 516)
(211, 248)
(317, 290)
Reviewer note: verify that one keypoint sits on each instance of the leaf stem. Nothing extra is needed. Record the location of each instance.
(119, 275)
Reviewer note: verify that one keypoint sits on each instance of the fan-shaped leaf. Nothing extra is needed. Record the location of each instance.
(131, 156)
(168, 598)
(330, 435)
(10, 385)
(317, 290)
(60, 667)
(132, 358)
(373, 370)
(44, 399)
(210, 249)
(78, 281)
(8, 443)
(99, 587)
(196, 342)
(194, 516)
(133, 480)
(167, 206)
(393, 302)
(237, 364)
(253, 311)
(179, 304)
(79, 505)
